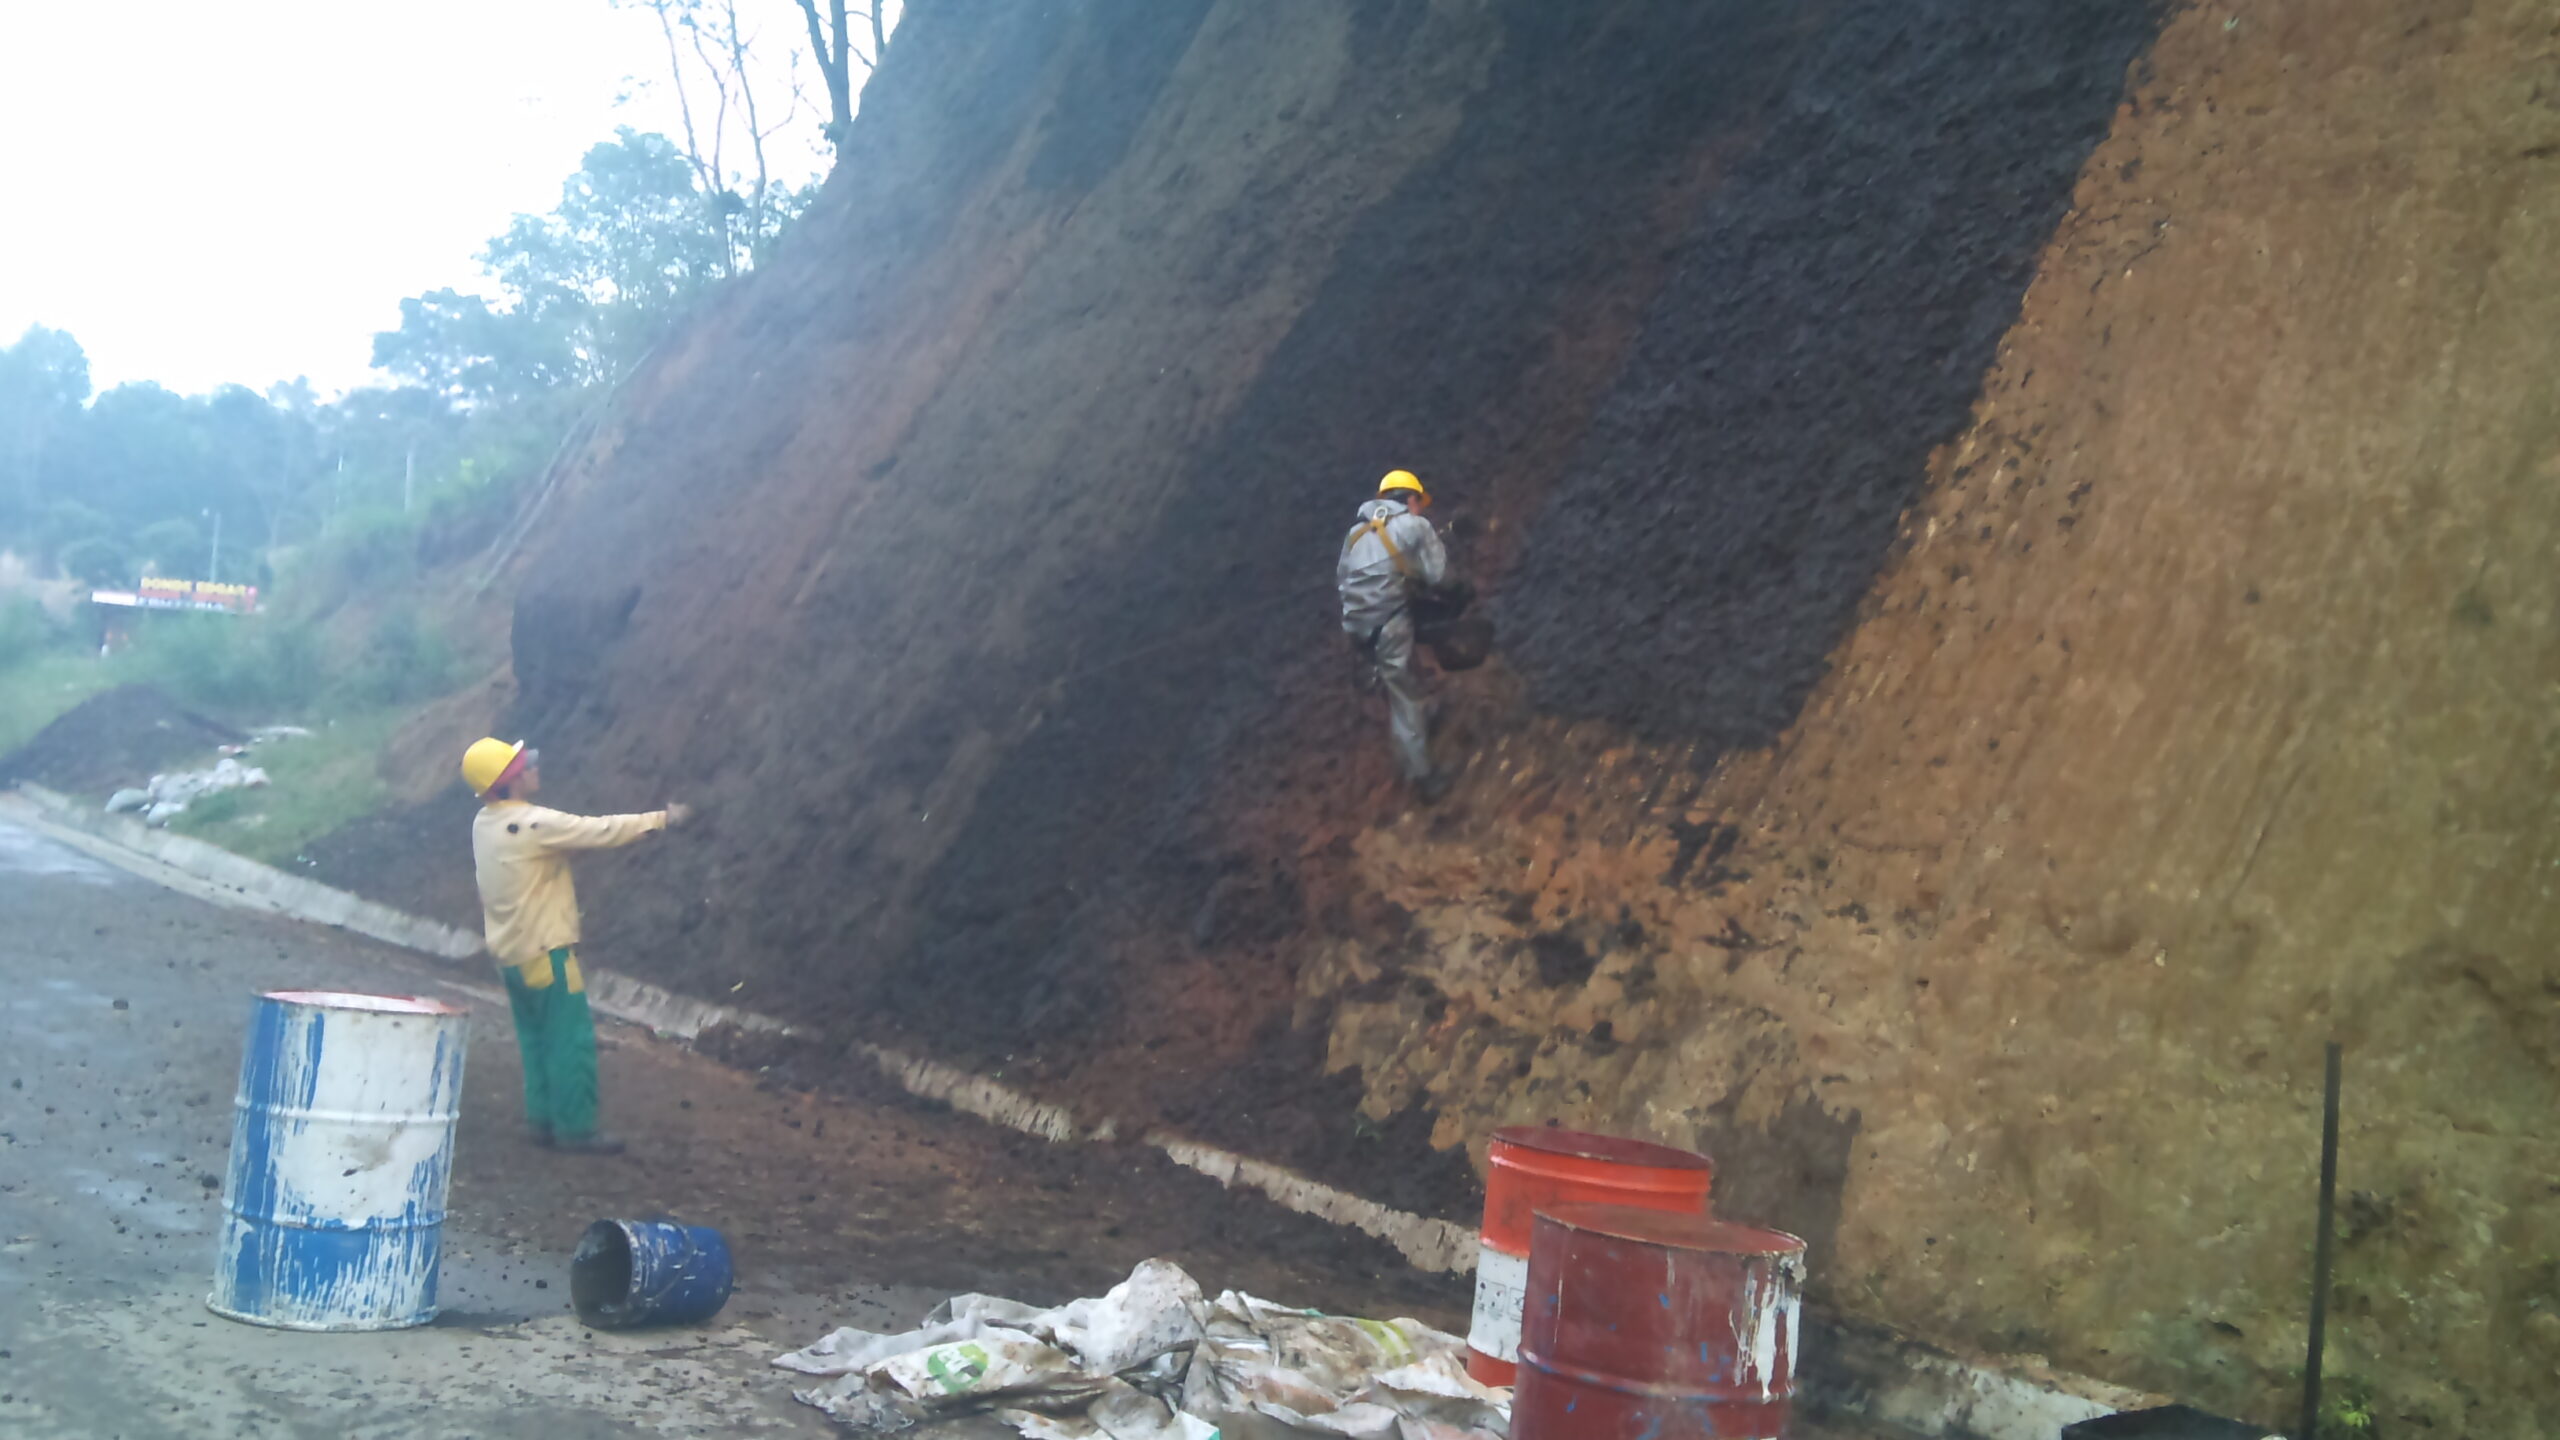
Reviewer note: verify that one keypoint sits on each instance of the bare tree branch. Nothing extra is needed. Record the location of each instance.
(747, 97)
(831, 40)
(829, 49)
(708, 177)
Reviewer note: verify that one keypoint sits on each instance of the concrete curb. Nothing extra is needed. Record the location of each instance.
(212, 873)
(1865, 1369)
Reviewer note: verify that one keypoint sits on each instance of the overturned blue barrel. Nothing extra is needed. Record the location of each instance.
(628, 1273)
(341, 1149)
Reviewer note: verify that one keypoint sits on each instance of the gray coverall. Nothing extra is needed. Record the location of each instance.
(1375, 588)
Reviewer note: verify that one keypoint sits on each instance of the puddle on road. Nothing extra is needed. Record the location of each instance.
(24, 852)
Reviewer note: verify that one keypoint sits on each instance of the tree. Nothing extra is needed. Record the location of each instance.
(723, 95)
(587, 289)
(831, 37)
(44, 380)
(170, 547)
(462, 350)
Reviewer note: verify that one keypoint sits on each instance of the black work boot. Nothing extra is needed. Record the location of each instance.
(1435, 785)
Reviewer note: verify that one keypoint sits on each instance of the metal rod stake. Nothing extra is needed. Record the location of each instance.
(2320, 1253)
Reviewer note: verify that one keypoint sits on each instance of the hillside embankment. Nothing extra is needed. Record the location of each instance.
(2021, 533)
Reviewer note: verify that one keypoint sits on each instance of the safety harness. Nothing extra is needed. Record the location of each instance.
(1377, 525)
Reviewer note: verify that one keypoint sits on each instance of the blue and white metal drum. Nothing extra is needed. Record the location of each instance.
(341, 1147)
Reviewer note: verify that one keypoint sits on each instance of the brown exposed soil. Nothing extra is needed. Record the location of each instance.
(417, 858)
(832, 1172)
(115, 739)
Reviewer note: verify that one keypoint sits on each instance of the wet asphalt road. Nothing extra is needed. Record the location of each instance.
(125, 1011)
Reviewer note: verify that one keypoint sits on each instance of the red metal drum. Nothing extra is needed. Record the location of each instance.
(1538, 1167)
(1664, 1327)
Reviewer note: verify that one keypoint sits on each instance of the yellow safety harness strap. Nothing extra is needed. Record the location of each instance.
(1378, 527)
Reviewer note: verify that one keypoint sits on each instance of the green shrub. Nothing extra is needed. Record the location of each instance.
(404, 659)
(263, 662)
(25, 630)
(172, 547)
(97, 560)
(67, 521)
(364, 549)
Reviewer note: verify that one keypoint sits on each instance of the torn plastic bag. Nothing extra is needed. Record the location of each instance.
(997, 1362)
(1122, 1413)
(1332, 1375)
(1158, 1309)
(1150, 1360)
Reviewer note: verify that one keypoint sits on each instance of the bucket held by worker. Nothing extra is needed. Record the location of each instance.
(1445, 624)
(1537, 1167)
(341, 1148)
(629, 1273)
(1461, 644)
(1669, 1327)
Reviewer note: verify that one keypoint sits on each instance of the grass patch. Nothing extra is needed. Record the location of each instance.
(36, 689)
(319, 784)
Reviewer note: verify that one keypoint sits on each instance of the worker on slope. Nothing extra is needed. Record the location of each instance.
(520, 853)
(1391, 558)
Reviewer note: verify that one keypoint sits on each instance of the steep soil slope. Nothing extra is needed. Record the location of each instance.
(2021, 536)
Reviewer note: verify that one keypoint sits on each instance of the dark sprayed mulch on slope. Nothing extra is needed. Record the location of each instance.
(1832, 317)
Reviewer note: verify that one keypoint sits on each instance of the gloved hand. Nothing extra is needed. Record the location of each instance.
(678, 813)
(1364, 669)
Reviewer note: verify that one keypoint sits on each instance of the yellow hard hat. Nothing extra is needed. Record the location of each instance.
(487, 762)
(1404, 480)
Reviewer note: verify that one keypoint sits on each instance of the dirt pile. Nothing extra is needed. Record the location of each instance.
(115, 739)
(2019, 530)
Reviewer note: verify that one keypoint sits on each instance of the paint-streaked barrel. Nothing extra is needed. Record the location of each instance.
(1666, 1327)
(1533, 1167)
(341, 1147)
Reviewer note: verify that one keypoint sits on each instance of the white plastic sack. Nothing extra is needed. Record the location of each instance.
(1150, 1360)
(167, 796)
(1156, 1310)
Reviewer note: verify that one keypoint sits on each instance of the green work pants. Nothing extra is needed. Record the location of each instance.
(558, 1041)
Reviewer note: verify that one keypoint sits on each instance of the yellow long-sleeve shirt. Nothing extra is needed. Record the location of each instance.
(520, 853)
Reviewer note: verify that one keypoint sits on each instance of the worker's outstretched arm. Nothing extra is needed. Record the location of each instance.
(560, 830)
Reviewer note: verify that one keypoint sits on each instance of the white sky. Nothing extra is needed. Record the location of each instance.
(243, 192)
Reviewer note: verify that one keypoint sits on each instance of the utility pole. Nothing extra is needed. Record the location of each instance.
(213, 567)
(409, 477)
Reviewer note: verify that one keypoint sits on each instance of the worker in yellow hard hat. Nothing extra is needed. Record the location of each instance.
(1389, 557)
(529, 909)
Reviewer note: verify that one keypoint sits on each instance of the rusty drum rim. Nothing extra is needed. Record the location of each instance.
(1614, 1149)
(1670, 1228)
